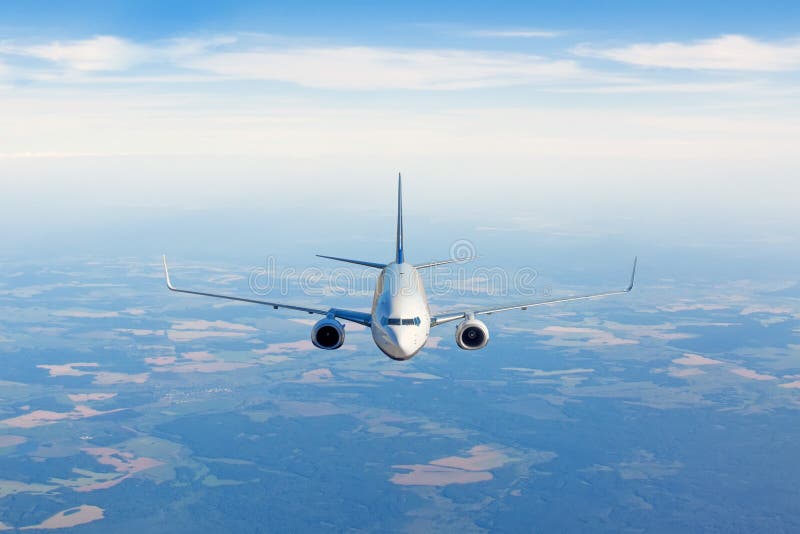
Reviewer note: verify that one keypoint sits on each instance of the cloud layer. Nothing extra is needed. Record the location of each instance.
(326, 67)
(361, 68)
(727, 52)
(365, 68)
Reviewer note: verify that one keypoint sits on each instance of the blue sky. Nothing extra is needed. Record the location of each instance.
(395, 22)
(563, 114)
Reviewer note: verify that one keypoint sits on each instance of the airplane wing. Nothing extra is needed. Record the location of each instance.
(447, 317)
(348, 315)
(444, 262)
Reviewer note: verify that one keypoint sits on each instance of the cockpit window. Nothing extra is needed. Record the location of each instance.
(393, 321)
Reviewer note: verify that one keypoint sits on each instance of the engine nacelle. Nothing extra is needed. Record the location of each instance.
(328, 334)
(472, 334)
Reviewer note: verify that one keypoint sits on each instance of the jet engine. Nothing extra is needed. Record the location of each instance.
(472, 334)
(328, 334)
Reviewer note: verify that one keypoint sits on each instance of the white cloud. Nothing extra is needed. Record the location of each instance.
(248, 57)
(576, 336)
(760, 308)
(753, 375)
(110, 53)
(695, 360)
(99, 53)
(181, 47)
(523, 34)
(727, 52)
(364, 68)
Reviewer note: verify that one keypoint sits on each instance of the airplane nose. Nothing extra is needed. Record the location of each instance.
(405, 345)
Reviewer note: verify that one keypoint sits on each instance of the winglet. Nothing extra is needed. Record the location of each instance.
(166, 272)
(633, 275)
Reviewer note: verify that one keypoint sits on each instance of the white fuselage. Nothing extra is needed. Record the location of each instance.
(401, 319)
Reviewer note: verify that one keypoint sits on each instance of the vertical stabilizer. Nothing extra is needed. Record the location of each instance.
(400, 257)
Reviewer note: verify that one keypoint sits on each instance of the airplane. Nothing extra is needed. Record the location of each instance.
(400, 319)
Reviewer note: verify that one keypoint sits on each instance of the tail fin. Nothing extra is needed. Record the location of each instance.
(400, 258)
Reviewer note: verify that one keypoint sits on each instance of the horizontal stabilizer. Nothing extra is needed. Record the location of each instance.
(357, 262)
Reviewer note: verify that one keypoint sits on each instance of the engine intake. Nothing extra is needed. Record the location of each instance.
(328, 334)
(472, 334)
